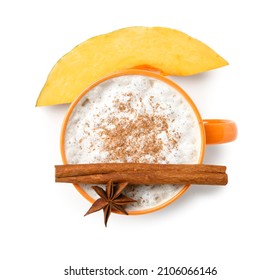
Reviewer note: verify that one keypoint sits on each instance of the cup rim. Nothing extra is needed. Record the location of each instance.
(148, 74)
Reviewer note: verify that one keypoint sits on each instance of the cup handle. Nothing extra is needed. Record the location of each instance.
(219, 131)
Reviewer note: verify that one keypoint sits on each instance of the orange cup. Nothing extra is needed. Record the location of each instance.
(212, 131)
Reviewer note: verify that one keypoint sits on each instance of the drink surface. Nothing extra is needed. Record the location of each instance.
(134, 118)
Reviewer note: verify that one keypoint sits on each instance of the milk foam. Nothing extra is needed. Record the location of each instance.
(84, 137)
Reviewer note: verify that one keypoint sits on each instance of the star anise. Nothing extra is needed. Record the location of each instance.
(112, 199)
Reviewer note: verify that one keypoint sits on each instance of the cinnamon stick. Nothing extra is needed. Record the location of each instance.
(100, 168)
(142, 173)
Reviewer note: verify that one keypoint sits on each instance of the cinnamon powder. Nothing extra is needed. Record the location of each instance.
(136, 139)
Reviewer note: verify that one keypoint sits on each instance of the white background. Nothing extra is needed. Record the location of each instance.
(236, 228)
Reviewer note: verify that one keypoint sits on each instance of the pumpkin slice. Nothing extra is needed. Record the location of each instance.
(169, 51)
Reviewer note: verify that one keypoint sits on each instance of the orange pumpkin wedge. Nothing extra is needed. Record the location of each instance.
(166, 50)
